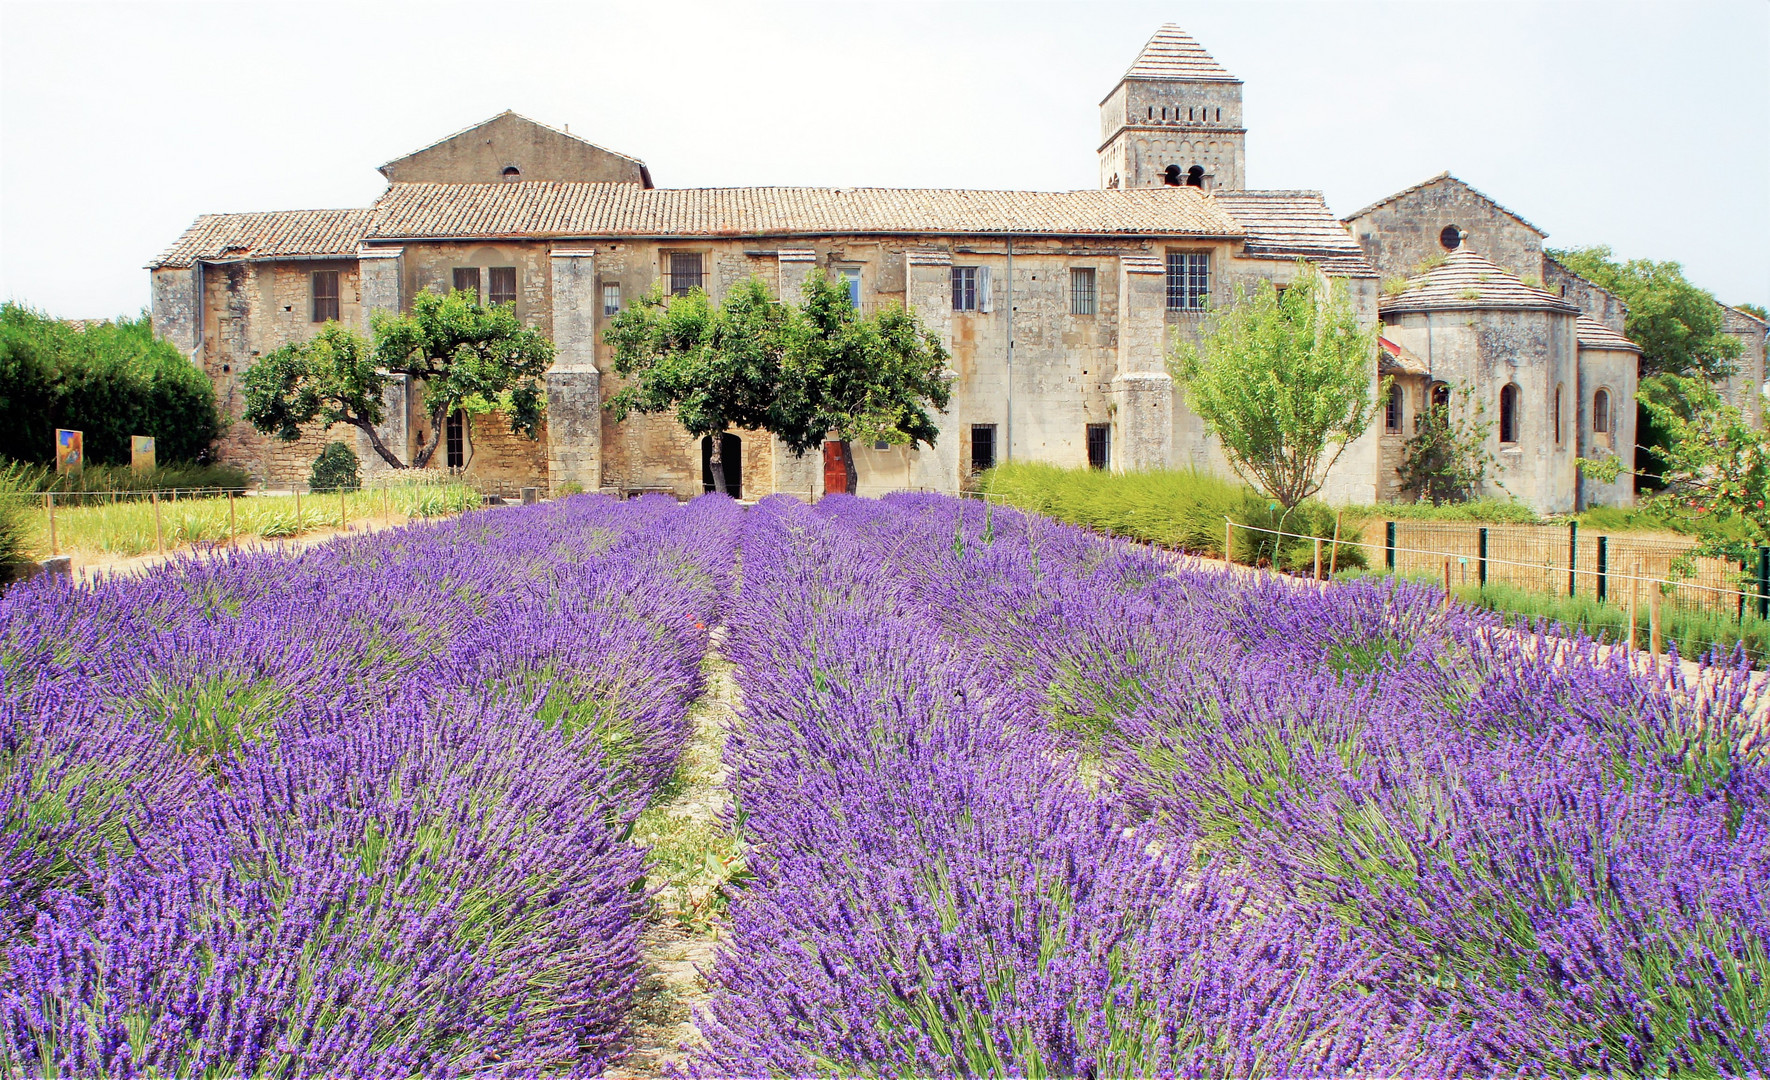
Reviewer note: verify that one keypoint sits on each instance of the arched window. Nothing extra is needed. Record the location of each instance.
(1557, 414)
(1441, 395)
(1171, 176)
(1195, 176)
(1451, 238)
(1601, 412)
(511, 172)
(1509, 413)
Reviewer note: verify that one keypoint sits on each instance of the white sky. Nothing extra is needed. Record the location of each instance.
(1640, 125)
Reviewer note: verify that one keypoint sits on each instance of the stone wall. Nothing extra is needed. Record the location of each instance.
(1615, 372)
(1147, 125)
(480, 155)
(1401, 237)
(1597, 302)
(1745, 387)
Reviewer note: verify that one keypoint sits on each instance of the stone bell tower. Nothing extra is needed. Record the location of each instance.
(1175, 119)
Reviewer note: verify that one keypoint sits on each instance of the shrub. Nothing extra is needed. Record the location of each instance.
(110, 380)
(336, 469)
(12, 529)
(1177, 508)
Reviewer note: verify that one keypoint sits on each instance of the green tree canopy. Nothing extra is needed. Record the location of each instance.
(1677, 325)
(468, 357)
(1757, 311)
(1284, 380)
(798, 372)
(110, 380)
(715, 366)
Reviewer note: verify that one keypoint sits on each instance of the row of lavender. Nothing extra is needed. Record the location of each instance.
(354, 811)
(1024, 801)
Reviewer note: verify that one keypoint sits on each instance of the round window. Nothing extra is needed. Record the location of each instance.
(1451, 237)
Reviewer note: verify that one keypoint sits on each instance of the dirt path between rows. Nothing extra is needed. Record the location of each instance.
(692, 855)
(89, 567)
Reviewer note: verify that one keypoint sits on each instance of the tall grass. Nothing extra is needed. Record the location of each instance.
(108, 478)
(1475, 511)
(127, 528)
(1178, 508)
(1693, 632)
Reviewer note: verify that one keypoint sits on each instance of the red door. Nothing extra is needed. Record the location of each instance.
(835, 468)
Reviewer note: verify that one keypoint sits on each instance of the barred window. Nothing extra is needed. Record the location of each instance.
(325, 296)
(503, 285)
(611, 298)
(1081, 291)
(1392, 409)
(964, 288)
(1189, 280)
(983, 447)
(455, 445)
(685, 272)
(1099, 446)
(467, 280)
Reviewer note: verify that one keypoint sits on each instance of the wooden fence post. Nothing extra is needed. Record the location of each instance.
(1654, 639)
(1228, 542)
(1447, 583)
(343, 524)
(159, 530)
(1334, 552)
(233, 529)
(49, 504)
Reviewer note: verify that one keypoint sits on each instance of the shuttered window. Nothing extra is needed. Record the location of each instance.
(964, 288)
(467, 280)
(503, 284)
(325, 296)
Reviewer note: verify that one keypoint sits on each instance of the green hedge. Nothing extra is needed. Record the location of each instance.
(1178, 508)
(109, 380)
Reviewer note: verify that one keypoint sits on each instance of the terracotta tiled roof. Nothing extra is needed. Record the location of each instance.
(1173, 54)
(1465, 281)
(1293, 225)
(546, 209)
(1595, 335)
(1428, 182)
(1399, 360)
(276, 234)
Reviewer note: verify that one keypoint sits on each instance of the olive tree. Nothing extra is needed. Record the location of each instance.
(1284, 380)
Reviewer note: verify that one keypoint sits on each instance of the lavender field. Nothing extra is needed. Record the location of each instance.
(1016, 801)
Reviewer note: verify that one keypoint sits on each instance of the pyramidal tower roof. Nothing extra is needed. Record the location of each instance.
(1174, 54)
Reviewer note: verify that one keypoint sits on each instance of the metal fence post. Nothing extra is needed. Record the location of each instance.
(1764, 582)
(1572, 558)
(1481, 563)
(1603, 568)
(1389, 547)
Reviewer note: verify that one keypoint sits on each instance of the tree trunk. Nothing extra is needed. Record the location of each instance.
(379, 447)
(437, 420)
(716, 460)
(848, 466)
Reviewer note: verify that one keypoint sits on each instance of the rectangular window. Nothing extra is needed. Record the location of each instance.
(457, 440)
(467, 280)
(1392, 409)
(325, 296)
(965, 290)
(503, 284)
(983, 447)
(685, 272)
(1081, 291)
(851, 277)
(611, 298)
(1099, 446)
(1189, 280)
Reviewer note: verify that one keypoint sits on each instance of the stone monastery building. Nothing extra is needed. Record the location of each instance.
(1056, 306)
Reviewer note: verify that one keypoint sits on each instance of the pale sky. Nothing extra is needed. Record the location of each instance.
(1639, 125)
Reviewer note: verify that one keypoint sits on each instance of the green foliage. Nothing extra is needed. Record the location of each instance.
(1677, 325)
(1717, 464)
(1692, 632)
(12, 529)
(1757, 311)
(1446, 459)
(109, 380)
(1177, 508)
(217, 716)
(795, 371)
(865, 378)
(94, 479)
(330, 379)
(1481, 511)
(336, 469)
(1284, 381)
(469, 357)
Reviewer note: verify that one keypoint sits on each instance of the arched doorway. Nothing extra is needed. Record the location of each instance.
(731, 448)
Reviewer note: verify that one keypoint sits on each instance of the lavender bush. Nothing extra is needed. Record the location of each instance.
(358, 810)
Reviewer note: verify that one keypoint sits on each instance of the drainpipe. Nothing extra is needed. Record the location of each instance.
(1008, 446)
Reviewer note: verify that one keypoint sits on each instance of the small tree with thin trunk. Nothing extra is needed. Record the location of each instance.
(1285, 382)
(467, 356)
(716, 367)
(1446, 459)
